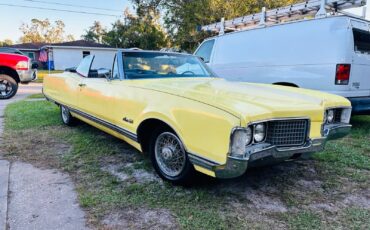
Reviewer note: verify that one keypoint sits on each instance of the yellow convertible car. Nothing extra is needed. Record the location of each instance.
(173, 107)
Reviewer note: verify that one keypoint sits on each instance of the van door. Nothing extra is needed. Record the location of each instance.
(360, 69)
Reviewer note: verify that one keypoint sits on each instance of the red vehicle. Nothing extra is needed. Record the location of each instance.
(15, 69)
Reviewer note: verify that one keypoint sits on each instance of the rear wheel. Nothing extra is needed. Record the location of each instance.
(8, 87)
(67, 116)
(169, 157)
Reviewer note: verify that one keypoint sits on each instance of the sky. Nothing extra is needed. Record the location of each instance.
(11, 18)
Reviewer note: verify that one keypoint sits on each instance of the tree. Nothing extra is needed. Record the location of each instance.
(95, 33)
(70, 38)
(43, 31)
(6, 42)
(142, 30)
(183, 16)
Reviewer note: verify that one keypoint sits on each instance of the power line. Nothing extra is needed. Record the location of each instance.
(72, 5)
(61, 10)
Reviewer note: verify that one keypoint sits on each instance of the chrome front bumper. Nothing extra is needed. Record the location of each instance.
(26, 76)
(262, 154)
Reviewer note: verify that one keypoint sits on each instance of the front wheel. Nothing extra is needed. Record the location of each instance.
(169, 157)
(8, 87)
(67, 116)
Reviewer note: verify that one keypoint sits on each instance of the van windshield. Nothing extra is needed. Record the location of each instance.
(139, 65)
(362, 41)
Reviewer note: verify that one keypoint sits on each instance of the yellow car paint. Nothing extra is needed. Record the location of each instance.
(202, 111)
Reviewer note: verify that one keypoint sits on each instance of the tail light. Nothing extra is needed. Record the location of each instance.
(342, 74)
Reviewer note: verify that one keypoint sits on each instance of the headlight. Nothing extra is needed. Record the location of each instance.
(241, 138)
(330, 116)
(22, 65)
(259, 132)
(346, 115)
(338, 115)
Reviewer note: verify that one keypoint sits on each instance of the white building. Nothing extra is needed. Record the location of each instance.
(68, 54)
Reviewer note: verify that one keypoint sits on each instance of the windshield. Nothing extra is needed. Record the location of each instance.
(139, 65)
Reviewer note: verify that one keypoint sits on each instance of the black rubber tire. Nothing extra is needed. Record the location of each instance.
(14, 86)
(188, 172)
(67, 118)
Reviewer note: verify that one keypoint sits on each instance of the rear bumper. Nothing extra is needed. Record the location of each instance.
(360, 105)
(263, 154)
(26, 76)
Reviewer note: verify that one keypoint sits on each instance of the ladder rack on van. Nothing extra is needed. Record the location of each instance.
(319, 8)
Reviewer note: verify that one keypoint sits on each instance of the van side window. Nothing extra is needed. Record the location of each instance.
(205, 50)
(362, 41)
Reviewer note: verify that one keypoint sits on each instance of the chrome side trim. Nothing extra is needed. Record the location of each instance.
(99, 121)
(111, 126)
(202, 162)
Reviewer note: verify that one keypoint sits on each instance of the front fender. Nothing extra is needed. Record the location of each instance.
(204, 130)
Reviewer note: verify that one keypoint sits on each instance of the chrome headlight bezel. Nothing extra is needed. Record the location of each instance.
(260, 132)
(331, 116)
(240, 139)
(346, 115)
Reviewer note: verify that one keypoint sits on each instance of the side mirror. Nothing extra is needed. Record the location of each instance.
(104, 73)
(34, 65)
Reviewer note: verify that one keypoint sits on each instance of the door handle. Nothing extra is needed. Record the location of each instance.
(82, 85)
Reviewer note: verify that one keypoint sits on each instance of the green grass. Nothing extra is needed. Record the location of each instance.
(304, 220)
(42, 73)
(357, 218)
(207, 204)
(27, 115)
(36, 96)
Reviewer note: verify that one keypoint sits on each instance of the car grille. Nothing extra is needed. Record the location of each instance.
(287, 132)
(337, 115)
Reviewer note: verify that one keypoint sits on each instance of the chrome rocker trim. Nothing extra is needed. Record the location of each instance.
(264, 153)
(99, 121)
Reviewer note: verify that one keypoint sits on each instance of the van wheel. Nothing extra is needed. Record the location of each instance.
(8, 87)
(169, 157)
(67, 116)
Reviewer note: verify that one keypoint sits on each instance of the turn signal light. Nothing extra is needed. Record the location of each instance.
(342, 74)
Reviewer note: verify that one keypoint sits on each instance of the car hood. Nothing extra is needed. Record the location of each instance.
(246, 100)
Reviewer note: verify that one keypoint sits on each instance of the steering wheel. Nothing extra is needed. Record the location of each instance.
(186, 72)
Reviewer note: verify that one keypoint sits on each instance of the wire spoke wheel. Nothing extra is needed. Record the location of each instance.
(65, 114)
(170, 154)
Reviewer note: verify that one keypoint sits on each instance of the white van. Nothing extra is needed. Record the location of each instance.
(330, 54)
